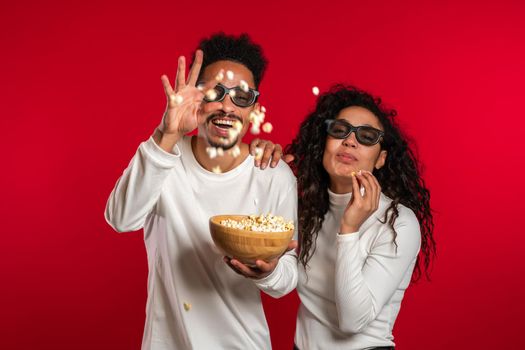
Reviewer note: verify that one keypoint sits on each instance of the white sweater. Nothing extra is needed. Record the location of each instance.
(195, 301)
(356, 281)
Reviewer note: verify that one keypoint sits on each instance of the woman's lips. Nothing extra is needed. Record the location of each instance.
(346, 158)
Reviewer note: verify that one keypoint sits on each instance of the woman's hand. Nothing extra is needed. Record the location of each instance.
(270, 151)
(360, 206)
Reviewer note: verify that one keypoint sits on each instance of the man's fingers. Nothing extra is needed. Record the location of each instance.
(195, 69)
(292, 245)
(264, 266)
(228, 262)
(243, 269)
(181, 73)
(167, 86)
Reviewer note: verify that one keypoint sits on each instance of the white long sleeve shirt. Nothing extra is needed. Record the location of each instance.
(195, 301)
(356, 281)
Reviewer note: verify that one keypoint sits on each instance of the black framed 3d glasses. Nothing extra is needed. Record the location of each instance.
(364, 134)
(240, 97)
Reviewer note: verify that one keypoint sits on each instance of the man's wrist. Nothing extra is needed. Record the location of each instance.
(166, 141)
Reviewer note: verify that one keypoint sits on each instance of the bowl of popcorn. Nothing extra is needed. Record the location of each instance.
(251, 237)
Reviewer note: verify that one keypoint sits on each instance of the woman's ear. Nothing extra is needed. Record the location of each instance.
(381, 159)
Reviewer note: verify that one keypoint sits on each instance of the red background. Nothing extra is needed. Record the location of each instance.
(80, 90)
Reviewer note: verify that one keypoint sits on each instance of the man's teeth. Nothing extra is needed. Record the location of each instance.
(222, 122)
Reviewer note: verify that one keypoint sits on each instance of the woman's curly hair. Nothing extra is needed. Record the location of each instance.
(399, 178)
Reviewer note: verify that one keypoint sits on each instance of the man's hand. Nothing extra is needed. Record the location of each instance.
(261, 269)
(183, 107)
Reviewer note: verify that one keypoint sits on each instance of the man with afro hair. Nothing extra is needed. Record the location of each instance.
(176, 182)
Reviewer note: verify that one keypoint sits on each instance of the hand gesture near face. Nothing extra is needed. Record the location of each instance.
(361, 206)
(184, 103)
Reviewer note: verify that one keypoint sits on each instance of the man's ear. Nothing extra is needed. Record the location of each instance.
(381, 159)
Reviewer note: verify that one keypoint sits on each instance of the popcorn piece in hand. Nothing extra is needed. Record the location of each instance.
(178, 99)
(258, 153)
(235, 151)
(244, 86)
(267, 127)
(216, 169)
(229, 75)
(315, 90)
(211, 94)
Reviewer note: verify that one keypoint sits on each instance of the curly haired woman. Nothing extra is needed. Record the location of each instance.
(365, 223)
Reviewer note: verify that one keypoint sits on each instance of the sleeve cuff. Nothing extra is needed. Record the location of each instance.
(271, 279)
(158, 155)
(347, 237)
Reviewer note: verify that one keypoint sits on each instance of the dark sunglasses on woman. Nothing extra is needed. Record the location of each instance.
(365, 135)
(239, 97)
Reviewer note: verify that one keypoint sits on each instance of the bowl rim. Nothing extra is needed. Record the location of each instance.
(215, 220)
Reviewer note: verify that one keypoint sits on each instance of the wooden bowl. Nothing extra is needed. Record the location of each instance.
(247, 246)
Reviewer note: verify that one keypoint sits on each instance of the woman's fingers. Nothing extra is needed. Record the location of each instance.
(368, 195)
(356, 193)
(276, 155)
(267, 154)
(288, 158)
(376, 188)
(254, 144)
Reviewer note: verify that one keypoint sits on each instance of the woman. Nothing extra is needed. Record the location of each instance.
(365, 222)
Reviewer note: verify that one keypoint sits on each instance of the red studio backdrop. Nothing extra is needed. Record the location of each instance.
(80, 89)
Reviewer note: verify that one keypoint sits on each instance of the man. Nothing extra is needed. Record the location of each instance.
(175, 183)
